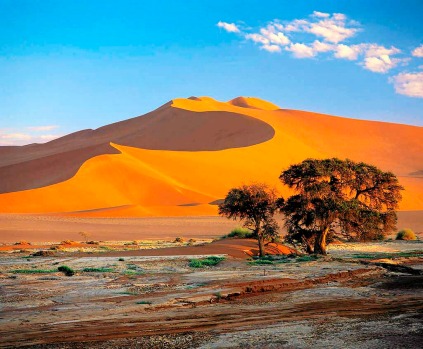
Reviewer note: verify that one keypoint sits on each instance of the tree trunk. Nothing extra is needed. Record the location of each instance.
(261, 245)
(260, 240)
(309, 248)
(320, 242)
(307, 242)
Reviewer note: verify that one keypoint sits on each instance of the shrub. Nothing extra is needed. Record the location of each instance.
(143, 302)
(241, 233)
(32, 271)
(309, 258)
(43, 253)
(179, 239)
(132, 266)
(23, 242)
(406, 234)
(218, 295)
(66, 270)
(206, 262)
(92, 242)
(121, 259)
(97, 270)
(68, 242)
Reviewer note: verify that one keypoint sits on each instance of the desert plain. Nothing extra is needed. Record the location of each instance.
(142, 291)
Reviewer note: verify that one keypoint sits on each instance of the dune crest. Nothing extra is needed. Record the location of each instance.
(251, 102)
(200, 148)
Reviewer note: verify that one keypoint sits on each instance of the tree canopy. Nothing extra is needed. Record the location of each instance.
(338, 197)
(255, 205)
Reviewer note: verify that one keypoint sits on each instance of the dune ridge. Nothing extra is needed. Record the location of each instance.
(185, 176)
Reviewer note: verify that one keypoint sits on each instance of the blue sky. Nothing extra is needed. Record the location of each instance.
(71, 65)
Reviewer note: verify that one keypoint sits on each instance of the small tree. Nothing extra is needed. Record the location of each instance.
(338, 197)
(255, 205)
(85, 235)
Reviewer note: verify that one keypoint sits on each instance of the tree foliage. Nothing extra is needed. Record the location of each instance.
(255, 205)
(338, 197)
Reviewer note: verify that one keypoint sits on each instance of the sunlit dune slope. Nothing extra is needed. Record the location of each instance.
(165, 128)
(144, 182)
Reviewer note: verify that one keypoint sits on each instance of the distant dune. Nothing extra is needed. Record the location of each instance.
(183, 156)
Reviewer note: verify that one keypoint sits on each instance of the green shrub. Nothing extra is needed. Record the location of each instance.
(206, 262)
(143, 302)
(121, 259)
(241, 233)
(218, 295)
(393, 255)
(66, 270)
(32, 271)
(308, 258)
(406, 234)
(98, 270)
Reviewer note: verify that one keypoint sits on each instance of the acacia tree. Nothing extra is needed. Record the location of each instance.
(255, 205)
(338, 197)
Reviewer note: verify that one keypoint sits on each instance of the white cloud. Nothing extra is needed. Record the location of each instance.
(274, 35)
(409, 84)
(374, 50)
(42, 128)
(329, 33)
(332, 29)
(270, 38)
(229, 27)
(260, 39)
(320, 14)
(378, 58)
(271, 48)
(296, 25)
(418, 51)
(319, 46)
(381, 64)
(49, 137)
(16, 136)
(12, 138)
(278, 26)
(339, 17)
(348, 52)
(301, 50)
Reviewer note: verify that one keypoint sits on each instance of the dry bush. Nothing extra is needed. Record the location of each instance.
(406, 234)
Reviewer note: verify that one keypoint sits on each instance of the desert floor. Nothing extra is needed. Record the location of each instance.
(145, 294)
(56, 228)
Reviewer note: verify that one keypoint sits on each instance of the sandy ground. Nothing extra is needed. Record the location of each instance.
(57, 228)
(42, 228)
(158, 301)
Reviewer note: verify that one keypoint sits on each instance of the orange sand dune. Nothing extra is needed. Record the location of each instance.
(173, 182)
(165, 128)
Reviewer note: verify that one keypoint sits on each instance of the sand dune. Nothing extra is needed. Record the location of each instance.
(188, 153)
(166, 128)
